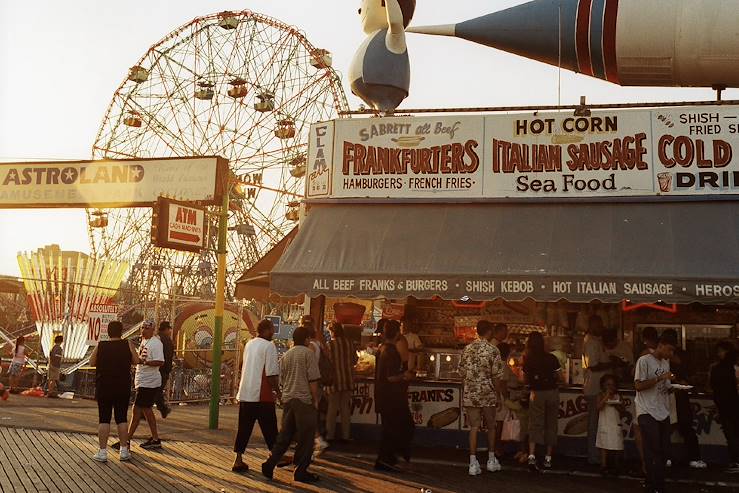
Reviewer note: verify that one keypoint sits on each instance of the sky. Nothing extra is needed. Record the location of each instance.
(61, 62)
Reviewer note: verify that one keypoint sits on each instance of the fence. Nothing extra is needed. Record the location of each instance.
(185, 384)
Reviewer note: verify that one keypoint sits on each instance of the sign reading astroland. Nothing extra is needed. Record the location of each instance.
(111, 183)
(664, 151)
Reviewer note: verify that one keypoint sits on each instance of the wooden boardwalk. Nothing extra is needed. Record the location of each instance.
(43, 461)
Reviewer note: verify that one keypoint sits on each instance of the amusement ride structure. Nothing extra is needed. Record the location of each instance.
(239, 85)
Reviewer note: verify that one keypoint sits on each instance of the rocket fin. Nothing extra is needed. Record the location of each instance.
(440, 30)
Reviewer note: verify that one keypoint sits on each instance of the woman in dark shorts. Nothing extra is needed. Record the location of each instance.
(112, 361)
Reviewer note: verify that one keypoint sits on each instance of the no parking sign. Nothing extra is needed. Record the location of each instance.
(98, 318)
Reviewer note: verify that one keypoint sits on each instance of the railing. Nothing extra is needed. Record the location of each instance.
(185, 384)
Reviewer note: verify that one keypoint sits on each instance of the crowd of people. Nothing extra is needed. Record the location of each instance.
(510, 394)
(520, 395)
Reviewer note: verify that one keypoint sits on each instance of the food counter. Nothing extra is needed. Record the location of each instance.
(436, 407)
(444, 327)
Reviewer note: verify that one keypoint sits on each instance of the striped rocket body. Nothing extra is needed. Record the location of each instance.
(626, 42)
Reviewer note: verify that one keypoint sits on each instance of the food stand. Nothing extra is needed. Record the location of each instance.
(534, 220)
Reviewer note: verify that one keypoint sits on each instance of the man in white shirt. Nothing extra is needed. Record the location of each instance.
(257, 391)
(148, 380)
(652, 383)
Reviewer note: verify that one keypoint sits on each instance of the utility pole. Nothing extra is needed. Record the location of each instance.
(215, 381)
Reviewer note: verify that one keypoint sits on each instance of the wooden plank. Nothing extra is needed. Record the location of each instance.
(38, 474)
(7, 474)
(64, 481)
(86, 446)
(24, 481)
(113, 471)
(67, 463)
(190, 469)
(82, 464)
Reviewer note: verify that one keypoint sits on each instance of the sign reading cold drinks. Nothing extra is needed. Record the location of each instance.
(675, 151)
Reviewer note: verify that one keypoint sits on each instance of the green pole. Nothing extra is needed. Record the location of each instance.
(215, 380)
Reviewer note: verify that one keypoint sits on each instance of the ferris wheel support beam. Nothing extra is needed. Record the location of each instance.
(215, 374)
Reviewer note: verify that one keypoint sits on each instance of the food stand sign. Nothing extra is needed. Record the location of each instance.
(111, 183)
(363, 403)
(98, 318)
(435, 406)
(620, 153)
(573, 418)
(179, 225)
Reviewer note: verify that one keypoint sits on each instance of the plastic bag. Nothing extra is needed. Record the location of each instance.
(511, 428)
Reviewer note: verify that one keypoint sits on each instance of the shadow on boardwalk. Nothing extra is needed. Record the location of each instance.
(40, 461)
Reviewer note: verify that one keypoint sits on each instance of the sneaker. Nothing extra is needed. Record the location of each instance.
(124, 455)
(116, 446)
(475, 469)
(101, 456)
(547, 462)
(533, 467)
(321, 444)
(151, 444)
(147, 442)
(698, 464)
(268, 470)
(306, 477)
(668, 463)
(493, 465)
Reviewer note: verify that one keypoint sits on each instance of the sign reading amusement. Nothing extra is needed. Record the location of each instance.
(111, 183)
(676, 151)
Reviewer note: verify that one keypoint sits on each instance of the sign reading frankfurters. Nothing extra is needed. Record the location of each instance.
(179, 225)
(676, 151)
(405, 156)
(111, 183)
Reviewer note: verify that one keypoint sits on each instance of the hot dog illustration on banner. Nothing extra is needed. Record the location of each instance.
(688, 43)
(380, 73)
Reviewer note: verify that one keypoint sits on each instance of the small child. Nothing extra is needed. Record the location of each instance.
(610, 436)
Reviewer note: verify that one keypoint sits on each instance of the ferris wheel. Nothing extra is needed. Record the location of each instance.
(239, 85)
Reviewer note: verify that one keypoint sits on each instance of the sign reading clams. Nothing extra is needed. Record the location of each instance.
(681, 151)
(98, 318)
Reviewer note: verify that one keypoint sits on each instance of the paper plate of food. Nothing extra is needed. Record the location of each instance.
(680, 386)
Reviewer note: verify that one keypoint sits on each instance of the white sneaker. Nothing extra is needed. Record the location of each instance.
(475, 469)
(101, 456)
(320, 445)
(698, 464)
(125, 454)
(668, 463)
(493, 464)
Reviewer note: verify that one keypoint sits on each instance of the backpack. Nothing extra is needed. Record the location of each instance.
(326, 367)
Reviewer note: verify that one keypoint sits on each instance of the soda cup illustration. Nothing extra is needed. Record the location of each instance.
(665, 182)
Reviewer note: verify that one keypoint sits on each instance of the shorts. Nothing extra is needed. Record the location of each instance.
(108, 404)
(145, 397)
(15, 369)
(475, 414)
(53, 374)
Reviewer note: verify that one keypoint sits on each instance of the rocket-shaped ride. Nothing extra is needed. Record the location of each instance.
(690, 43)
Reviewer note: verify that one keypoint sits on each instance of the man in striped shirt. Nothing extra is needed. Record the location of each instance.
(344, 357)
